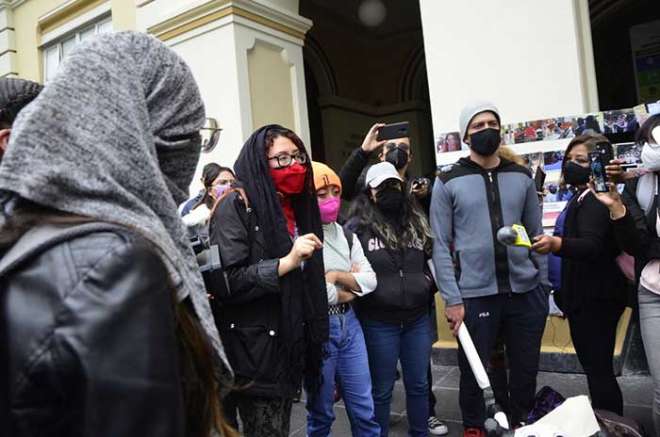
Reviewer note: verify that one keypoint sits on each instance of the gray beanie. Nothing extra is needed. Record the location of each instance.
(472, 109)
(14, 95)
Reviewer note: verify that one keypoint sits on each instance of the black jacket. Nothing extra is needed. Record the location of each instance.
(88, 342)
(588, 268)
(248, 321)
(635, 232)
(405, 286)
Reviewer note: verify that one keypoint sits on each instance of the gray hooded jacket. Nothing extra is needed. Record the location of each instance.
(469, 205)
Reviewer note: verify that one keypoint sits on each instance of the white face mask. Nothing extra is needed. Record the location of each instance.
(651, 156)
(655, 134)
(651, 152)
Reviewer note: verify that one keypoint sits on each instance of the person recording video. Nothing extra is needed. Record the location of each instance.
(590, 289)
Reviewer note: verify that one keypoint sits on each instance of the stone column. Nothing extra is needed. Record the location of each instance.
(7, 42)
(246, 57)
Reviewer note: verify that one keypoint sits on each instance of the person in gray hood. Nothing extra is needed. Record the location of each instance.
(491, 287)
(108, 332)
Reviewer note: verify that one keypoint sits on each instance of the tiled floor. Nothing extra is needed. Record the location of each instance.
(637, 393)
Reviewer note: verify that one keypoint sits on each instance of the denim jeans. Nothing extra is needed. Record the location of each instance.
(409, 343)
(346, 364)
(649, 319)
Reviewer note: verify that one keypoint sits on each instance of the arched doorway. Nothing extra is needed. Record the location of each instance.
(363, 69)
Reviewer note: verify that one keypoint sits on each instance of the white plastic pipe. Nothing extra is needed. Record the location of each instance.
(502, 420)
(473, 357)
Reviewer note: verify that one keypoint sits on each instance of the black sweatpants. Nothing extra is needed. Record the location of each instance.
(521, 320)
(593, 331)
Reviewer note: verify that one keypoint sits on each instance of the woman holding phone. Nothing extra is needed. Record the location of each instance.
(636, 222)
(590, 288)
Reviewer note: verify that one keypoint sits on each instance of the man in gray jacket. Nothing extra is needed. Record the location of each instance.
(493, 288)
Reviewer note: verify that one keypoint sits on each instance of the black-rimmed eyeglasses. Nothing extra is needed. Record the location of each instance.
(286, 160)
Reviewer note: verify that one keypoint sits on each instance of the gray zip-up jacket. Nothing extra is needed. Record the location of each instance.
(469, 205)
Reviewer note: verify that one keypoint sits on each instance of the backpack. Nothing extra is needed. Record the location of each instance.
(349, 237)
(613, 425)
(546, 400)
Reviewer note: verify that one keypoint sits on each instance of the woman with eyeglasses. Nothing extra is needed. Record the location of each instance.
(396, 237)
(275, 320)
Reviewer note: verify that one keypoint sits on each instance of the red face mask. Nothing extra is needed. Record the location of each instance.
(289, 180)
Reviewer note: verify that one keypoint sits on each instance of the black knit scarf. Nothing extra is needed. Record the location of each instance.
(304, 313)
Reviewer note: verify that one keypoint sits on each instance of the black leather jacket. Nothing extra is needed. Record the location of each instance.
(88, 343)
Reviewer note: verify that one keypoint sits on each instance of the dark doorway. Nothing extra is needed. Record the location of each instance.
(615, 54)
(364, 63)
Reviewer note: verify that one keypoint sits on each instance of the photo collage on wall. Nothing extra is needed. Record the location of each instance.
(558, 128)
(555, 193)
(541, 144)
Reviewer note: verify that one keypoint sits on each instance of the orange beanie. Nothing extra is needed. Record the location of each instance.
(324, 176)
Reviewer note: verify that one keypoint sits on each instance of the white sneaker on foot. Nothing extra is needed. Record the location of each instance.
(436, 426)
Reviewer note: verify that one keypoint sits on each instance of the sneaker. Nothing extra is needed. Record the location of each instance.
(437, 427)
(474, 432)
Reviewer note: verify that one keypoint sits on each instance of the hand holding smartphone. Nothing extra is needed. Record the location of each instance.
(599, 159)
(393, 131)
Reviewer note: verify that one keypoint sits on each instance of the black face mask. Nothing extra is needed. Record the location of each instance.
(389, 201)
(397, 157)
(485, 142)
(575, 174)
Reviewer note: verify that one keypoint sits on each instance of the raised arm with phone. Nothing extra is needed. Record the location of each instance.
(590, 289)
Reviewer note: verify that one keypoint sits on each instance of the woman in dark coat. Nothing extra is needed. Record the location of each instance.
(593, 291)
(275, 319)
(106, 330)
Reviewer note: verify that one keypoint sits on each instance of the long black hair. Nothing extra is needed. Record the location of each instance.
(303, 295)
(411, 229)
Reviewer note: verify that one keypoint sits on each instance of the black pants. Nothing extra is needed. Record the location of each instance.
(521, 319)
(593, 331)
(260, 416)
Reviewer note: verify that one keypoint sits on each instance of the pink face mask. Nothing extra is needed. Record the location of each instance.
(329, 209)
(219, 190)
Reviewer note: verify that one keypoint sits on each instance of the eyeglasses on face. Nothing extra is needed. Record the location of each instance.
(285, 160)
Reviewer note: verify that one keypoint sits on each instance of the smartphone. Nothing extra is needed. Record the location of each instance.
(539, 179)
(599, 158)
(419, 182)
(392, 131)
